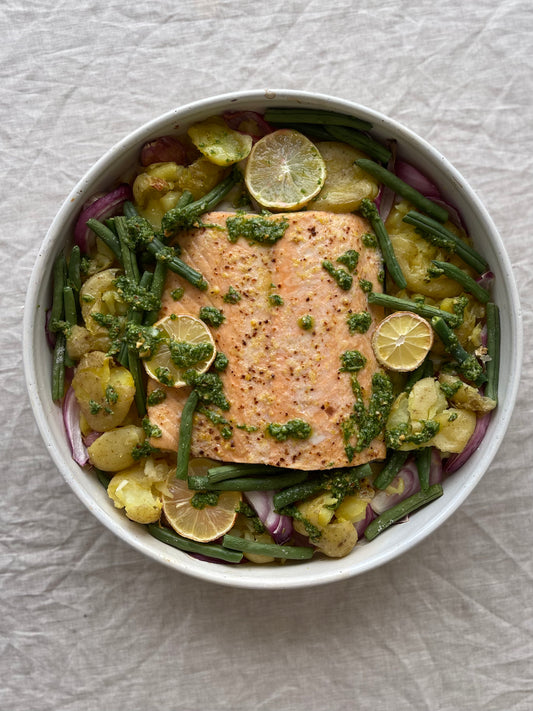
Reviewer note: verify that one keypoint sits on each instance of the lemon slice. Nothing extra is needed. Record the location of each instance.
(186, 346)
(402, 341)
(199, 524)
(284, 170)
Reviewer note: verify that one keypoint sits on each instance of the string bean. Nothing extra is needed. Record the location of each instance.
(399, 511)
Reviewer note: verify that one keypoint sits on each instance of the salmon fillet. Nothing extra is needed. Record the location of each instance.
(277, 371)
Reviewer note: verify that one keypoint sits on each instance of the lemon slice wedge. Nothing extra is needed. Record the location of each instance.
(402, 341)
(189, 513)
(284, 170)
(186, 344)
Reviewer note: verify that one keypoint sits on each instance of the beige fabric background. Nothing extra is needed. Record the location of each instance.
(88, 623)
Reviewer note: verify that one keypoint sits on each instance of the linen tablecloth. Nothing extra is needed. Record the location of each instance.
(88, 623)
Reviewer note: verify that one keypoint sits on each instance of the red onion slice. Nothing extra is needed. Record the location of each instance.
(436, 468)
(279, 527)
(385, 199)
(411, 484)
(248, 122)
(417, 180)
(165, 149)
(453, 463)
(360, 526)
(71, 420)
(100, 209)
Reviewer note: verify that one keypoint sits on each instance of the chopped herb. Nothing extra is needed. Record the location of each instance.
(352, 361)
(111, 394)
(221, 362)
(369, 240)
(257, 230)
(156, 396)
(205, 498)
(350, 258)
(306, 322)
(452, 417)
(212, 316)
(163, 374)
(247, 428)
(232, 297)
(293, 429)
(94, 407)
(143, 450)
(340, 276)
(275, 300)
(187, 355)
(359, 323)
(177, 293)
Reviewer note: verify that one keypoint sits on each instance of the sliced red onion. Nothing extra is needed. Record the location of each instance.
(385, 199)
(279, 527)
(486, 280)
(436, 468)
(240, 121)
(360, 526)
(71, 420)
(165, 149)
(417, 180)
(91, 438)
(411, 484)
(455, 461)
(106, 206)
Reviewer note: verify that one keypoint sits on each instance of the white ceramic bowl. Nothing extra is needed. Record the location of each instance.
(116, 163)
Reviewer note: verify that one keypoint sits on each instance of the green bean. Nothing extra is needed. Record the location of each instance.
(185, 435)
(424, 370)
(361, 142)
(272, 550)
(129, 259)
(210, 550)
(404, 508)
(267, 483)
(493, 349)
(107, 236)
(397, 304)
(103, 477)
(315, 131)
(136, 370)
(395, 462)
(423, 466)
(58, 367)
(158, 284)
(315, 116)
(369, 210)
(298, 492)
(406, 191)
(59, 276)
(129, 209)
(468, 364)
(69, 305)
(232, 471)
(464, 279)
(74, 267)
(437, 234)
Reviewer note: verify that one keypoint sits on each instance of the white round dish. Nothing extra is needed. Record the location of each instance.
(116, 164)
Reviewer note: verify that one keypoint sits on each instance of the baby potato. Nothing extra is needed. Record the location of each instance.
(99, 295)
(104, 391)
(467, 397)
(200, 177)
(456, 428)
(81, 341)
(346, 184)
(138, 493)
(425, 400)
(337, 538)
(112, 451)
(220, 144)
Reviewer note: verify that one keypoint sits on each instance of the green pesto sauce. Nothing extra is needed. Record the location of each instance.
(209, 388)
(163, 374)
(138, 297)
(364, 424)
(340, 276)
(221, 362)
(246, 510)
(232, 297)
(450, 389)
(177, 293)
(313, 532)
(212, 316)
(156, 396)
(366, 286)
(369, 240)
(257, 229)
(352, 361)
(359, 323)
(150, 430)
(111, 395)
(143, 450)
(350, 259)
(205, 498)
(187, 355)
(306, 322)
(402, 434)
(293, 429)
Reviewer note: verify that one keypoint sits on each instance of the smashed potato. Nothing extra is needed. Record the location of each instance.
(138, 490)
(113, 450)
(337, 537)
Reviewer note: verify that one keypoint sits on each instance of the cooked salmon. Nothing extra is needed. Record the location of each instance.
(277, 371)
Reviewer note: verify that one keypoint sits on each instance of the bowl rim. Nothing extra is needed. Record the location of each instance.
(233, 576)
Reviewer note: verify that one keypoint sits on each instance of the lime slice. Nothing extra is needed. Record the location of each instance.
(187, 343)
(189, 513)
(402, 341)
(284, 170)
